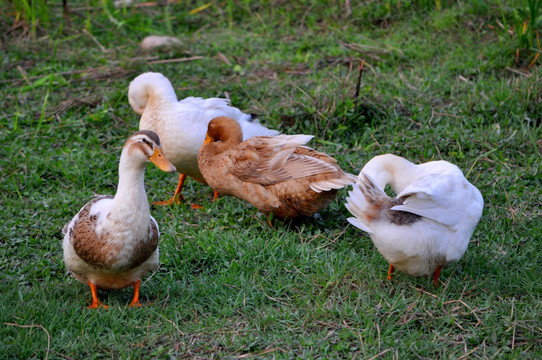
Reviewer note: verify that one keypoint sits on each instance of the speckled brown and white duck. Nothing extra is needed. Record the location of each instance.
(113, 240)
(277, 174)
(430, 221)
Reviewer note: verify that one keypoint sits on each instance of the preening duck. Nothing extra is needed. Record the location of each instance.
(430, 221)
(181, 125)
(113, 240)
(275, 174)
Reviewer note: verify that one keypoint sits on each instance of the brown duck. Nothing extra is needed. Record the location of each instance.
(276, 174)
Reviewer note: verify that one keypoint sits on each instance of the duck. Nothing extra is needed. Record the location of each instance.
(430, 221)
(112, 242)
(277, 174)
(181, 125)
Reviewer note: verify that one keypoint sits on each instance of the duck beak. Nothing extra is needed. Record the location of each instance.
(207, 139)
(161, 162)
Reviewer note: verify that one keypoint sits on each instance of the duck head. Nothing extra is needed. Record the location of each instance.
(144, 146)
(223, 130)
(150, 87)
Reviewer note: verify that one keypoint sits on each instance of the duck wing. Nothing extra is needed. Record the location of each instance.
(215, 107)
(270, 160)
(437, 197)
(84, 229)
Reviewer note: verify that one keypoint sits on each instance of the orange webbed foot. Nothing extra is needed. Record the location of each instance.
(199, 207)
(177, 196)
(96, 303)
(174, 200)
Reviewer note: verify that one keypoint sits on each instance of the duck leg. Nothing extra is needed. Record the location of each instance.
(135, 300)
(270, 220)
(95, 302)
(177, 196)
(390, 272)
(436, 275)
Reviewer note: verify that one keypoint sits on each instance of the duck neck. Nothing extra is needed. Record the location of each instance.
(390, 170)
(233, 140)
(229, 142)
(131, 196)
(161, 95)
(161, 90)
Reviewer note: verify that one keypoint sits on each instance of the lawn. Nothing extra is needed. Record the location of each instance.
(452, 80)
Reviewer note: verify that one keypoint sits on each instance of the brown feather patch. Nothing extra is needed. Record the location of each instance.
(271, 173)
(399, 217)
(144, 248)
(381, 205)
(151, 134)
(97, 251)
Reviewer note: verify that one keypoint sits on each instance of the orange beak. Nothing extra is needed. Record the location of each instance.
(161, 162)
(207, 139)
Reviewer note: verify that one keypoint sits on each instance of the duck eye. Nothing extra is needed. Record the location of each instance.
(146, 141)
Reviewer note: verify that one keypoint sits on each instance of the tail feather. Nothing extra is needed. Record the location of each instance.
(357, 223)
(252, 127)
(335, 183)
(365, 202)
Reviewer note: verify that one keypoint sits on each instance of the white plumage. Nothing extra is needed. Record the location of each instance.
(113, 240)
(182, 125)
(428, 224)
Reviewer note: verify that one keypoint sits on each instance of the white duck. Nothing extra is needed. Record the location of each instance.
(182, 125)
(113, 241)
(427, 225)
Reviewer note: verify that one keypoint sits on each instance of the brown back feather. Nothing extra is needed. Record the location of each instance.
(97, 251)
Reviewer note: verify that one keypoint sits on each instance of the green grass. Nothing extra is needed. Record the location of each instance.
(440, 82)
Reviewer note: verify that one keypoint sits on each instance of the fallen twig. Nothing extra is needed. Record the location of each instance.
(358, 84)
(156, 3)
(266, 351)
(36, 326)
(380, 354)
(223, 58)
(166, 61)
(467, 306)
(79, 71)
(519, 72)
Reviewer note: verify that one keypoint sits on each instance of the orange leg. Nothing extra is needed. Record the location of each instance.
(390, 271)
(95, 302)
(196, 206)
(270, 218)
(436, 274)
(135, 300)
(177, 197)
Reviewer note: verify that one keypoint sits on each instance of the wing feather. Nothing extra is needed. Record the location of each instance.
(432, 197)
(270, 160)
